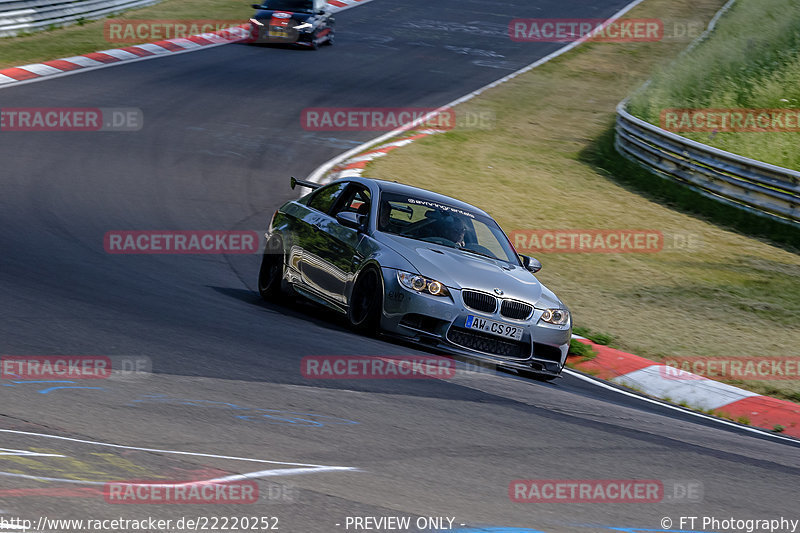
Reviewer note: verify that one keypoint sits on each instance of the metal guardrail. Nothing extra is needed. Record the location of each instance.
(746, 183)
(21, 16)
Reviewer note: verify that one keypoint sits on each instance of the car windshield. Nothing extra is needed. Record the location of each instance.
(427, 220)
(303, 6)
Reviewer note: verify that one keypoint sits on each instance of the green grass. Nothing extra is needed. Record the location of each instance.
(752, 61)
(586, 352)
(550, 164)
(88, 36)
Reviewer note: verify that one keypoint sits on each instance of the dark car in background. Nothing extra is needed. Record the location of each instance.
(303, 22)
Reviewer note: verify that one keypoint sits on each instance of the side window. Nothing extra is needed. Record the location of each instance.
(325, 197)
(355, 200)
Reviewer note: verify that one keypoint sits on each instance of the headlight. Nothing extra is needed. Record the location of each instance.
(303, 26)
(422, 284)
(256, 22)
(559, 317)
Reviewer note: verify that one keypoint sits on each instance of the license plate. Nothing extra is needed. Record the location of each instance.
(277, 32)
(495, 328)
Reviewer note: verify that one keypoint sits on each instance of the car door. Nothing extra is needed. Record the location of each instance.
(309, 241)
(336, 246)
(346, 241)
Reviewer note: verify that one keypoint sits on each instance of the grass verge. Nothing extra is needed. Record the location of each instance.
(751, 62)
(728, 294)
(89, 36)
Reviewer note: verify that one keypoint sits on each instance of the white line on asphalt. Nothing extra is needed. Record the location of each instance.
(227, 479)
(27, 453)
(303, 468)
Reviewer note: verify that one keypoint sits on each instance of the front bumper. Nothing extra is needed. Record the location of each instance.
(439, 322)
(267, 34)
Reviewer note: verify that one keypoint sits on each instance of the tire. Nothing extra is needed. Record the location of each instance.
(314, 41)
(330, 40)
(366, 302)
(271, 273)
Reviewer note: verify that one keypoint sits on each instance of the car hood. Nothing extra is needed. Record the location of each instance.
(462, 270)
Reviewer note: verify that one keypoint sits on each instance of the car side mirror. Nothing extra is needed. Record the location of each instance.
(531, 264)
(350, 219)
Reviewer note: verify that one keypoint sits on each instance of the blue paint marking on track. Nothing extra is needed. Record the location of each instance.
(638, 529)
(250, 414)
(493, 529)
(496, 530)
(51, 389)
(273, 416)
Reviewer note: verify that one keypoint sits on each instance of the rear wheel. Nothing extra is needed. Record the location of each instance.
(271, 272)
(366, 302)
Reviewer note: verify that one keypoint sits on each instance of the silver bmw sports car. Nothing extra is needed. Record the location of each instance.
(408, 262)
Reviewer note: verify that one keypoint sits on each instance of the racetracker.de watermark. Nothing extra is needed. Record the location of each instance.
(605, 491)
(377, 367)
(44, 367)
(594, 30)
(608, 241)
(199, 492)
(731, 120)
(76, 119)
(143, 31)
(181, 242)
(737, 368)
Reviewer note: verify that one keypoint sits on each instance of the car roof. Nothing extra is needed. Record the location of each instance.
(401, 188)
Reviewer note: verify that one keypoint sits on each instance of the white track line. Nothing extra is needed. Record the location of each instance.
(26, 453)
(174, 452)
(276, 472)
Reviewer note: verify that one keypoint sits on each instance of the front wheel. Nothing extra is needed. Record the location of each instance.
(366, 302)
(271, 272)
(331, 38)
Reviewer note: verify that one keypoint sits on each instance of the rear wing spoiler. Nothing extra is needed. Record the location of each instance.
(294, 182)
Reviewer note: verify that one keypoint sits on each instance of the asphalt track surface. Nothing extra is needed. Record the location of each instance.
(222, 134)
